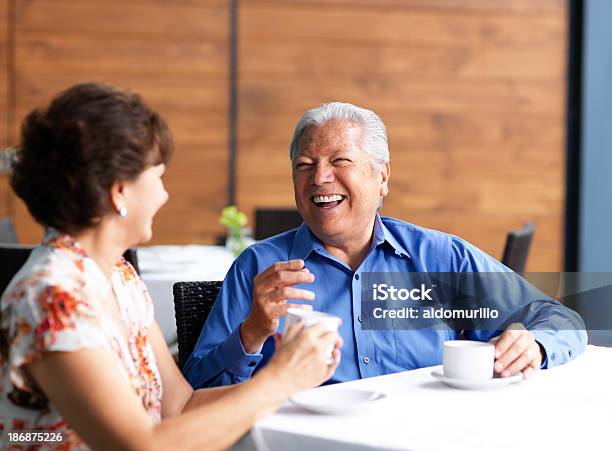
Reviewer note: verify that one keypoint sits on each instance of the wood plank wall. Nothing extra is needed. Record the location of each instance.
(175, 55)
(4, 80)
(4, 60)
(472, 93)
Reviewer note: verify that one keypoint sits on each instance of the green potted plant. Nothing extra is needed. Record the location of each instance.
(237, 234)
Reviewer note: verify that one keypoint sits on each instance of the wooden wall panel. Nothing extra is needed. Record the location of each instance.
(175, 55)
(4, 55)
(205, 19)
(4, 80)
(445, 6)
(472, 93)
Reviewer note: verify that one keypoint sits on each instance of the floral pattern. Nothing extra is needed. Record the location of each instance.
(57, 302)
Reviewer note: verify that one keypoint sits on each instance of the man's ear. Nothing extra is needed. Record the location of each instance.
(384, 184)
(117, 195)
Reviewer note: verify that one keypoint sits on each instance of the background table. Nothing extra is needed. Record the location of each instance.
(567, 407)
(162, 266)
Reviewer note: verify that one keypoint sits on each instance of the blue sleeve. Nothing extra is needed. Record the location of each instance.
(219, 357)
(558, 329)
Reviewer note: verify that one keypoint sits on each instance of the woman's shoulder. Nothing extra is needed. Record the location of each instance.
(47, 271)
(48, 266)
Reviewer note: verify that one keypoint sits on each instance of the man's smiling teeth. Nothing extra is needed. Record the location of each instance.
(323, 199)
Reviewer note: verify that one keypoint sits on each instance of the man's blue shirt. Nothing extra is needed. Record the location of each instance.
(220, 359)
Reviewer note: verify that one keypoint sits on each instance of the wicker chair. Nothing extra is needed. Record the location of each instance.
(192, 304)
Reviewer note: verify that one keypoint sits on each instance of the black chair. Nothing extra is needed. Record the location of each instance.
(517, 246)
(7, 231)
(12, 258)
(272, 221)
(131, 256)
(192, 304)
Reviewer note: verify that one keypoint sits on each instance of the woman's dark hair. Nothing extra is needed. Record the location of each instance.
(89, 137)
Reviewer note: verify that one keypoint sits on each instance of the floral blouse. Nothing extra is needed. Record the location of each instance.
(57, 302)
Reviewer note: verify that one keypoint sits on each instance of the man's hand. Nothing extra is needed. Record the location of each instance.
(271, 290)
(517, 351)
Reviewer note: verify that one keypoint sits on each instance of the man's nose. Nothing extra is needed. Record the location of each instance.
(323, 174)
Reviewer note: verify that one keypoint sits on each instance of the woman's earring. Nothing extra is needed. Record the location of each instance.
(123, 212)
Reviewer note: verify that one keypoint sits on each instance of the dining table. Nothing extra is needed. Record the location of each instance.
(163, 265)
(567, 407)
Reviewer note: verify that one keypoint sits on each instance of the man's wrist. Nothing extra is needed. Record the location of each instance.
(250, 342)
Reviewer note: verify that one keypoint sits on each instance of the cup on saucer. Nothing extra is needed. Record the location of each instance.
(469, 360)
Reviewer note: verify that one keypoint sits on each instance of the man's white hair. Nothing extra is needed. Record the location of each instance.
(374, 132)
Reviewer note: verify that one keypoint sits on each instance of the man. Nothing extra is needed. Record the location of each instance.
(340, 160)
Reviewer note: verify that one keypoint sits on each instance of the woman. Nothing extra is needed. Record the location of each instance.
(84, 353)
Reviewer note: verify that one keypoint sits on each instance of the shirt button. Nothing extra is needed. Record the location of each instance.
(552, 356)
(251, 364)
(366, 360)
(359, 318)
(356, 276)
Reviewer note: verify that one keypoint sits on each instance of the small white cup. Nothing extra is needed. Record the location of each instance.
(310, 318)
(466, 359)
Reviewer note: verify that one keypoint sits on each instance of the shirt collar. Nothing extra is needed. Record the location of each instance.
(383, 234)
(305, 241)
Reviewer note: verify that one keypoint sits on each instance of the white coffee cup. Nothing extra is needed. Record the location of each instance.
(310, 318)
(466, 359)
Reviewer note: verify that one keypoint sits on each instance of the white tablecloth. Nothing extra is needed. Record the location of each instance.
(162, 266)
(567, 407)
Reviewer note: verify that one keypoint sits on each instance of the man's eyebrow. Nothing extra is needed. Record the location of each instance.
(340, 152)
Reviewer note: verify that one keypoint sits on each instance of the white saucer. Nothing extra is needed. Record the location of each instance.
(479, 384)
(335, 401)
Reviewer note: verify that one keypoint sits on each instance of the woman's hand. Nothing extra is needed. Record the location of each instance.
(301, 359)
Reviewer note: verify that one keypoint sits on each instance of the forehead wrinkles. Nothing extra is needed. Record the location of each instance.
(332, 135)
